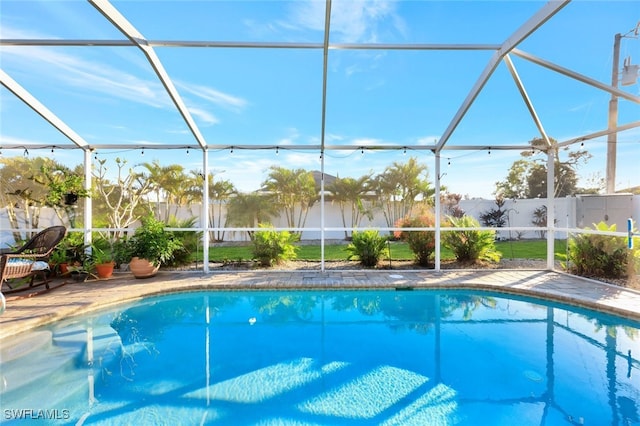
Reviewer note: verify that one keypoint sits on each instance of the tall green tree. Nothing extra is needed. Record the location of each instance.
(293, 191)
(29, 184)
(21, 195)
(220, 192)
(250, 210)
(527, 177)
(350, 194)
(65, 187)
(166, 182)
(401, 187)
(189, 193)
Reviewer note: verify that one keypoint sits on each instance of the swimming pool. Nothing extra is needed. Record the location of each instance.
(422, 357)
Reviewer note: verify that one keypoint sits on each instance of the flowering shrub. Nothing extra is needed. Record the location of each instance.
(421, 243)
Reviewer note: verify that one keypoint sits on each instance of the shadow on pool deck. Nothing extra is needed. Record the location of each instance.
(68, 298)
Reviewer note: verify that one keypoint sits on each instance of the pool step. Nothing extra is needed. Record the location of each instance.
(19, 346)
(60, 364)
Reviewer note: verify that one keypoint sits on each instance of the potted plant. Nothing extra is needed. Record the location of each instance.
(102, 258)
(58, 261)
(102, 261)
(149, 247)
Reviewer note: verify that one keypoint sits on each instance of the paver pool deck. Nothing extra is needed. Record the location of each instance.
(74, 298)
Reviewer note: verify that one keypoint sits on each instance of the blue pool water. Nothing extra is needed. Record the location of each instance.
(388, 357)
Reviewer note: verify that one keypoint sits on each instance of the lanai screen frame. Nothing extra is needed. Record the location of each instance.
(501, 53)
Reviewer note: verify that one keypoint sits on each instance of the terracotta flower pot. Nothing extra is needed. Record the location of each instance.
(63, 268)
(104, 270)
(142, 268)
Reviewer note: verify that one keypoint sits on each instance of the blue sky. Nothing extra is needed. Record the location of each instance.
(273, 97)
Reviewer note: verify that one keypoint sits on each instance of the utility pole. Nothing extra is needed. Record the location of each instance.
(612, 137)
(629, 77)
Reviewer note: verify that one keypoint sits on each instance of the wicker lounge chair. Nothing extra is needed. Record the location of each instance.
(30, 259)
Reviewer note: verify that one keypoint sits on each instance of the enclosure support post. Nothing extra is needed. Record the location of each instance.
(204, 223)
(551, 209)
(88, 205)
(437, 213)
(322, 213)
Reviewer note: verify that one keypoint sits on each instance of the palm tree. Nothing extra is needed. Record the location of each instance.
(350, 193)
(167, 181)
(219, 194)
(249, 210)
(190, 191)
(293, 191)
(399, 187)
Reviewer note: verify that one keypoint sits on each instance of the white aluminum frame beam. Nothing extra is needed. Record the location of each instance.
(527, 100)
(318, 148)
(577, 76)
(584, 138)
(246, 44)
(122, 24)
(323, 118)
(25, 96)
(532, 24)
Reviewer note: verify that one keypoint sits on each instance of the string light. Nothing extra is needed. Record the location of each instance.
(95, 155)
(26, 152)
(321, 155)
(187, 150)
(489, 151)
(404, 151)
(448, 161)
(52, 149)
(277, 150)
(142, 151)
(231, 151)
(361, 150)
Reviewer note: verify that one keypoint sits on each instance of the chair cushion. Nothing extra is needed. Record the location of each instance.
(37, 265)
(40, 265)
(16, 261)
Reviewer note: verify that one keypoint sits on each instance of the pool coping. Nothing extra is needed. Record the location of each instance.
(76, 298)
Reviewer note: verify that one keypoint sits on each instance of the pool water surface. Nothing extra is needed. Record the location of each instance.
(383, 357)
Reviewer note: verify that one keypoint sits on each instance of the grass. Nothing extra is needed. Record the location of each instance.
(522, 249)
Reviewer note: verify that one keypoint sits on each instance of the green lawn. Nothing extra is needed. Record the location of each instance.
(523, 249)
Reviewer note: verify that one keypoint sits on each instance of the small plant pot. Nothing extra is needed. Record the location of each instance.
(142, 268)
(63, 268)
(105, 270)
(79, 276)
(70, 199)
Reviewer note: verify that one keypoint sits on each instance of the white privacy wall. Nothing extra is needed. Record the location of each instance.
(570, 213)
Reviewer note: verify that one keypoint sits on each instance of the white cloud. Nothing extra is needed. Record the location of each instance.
(11, 140)
(302, 161)
(89, 75)
(428, 140)
(351, 20)
(367, 141)
(292, 136)
(9, 32)
(204, 116)
(332, 137)
(214, 96)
